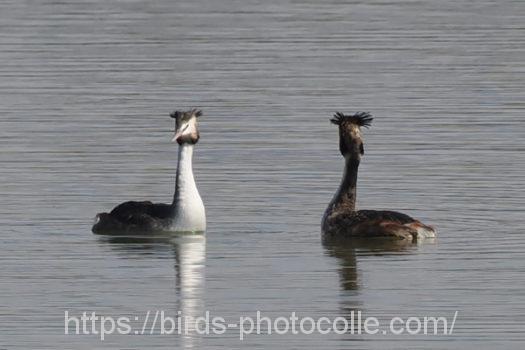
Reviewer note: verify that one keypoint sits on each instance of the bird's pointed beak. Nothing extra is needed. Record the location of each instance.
(177, 136)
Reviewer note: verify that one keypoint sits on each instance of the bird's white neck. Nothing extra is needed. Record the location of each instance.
(189, 214)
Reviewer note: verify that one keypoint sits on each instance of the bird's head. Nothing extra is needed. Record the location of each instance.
(350, 136)
(186, 130)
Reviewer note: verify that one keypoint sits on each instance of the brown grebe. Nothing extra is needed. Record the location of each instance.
(341, 220)
(185, 214)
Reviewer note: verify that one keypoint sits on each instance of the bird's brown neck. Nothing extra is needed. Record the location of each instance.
(345, 197)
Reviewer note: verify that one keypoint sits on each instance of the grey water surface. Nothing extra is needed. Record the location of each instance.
(85, 92)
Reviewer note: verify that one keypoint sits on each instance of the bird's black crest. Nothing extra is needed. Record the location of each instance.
(188, 114)
(360, 119)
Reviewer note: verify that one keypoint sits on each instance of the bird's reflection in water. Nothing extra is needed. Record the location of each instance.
(347, 253)
(189, 252)
(190, 259)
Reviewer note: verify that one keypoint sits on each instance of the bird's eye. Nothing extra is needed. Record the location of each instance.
(185, 127)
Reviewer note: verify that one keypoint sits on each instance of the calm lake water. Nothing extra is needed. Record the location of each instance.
(85, 92)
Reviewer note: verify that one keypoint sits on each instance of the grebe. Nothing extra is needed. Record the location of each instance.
(185, 214)
(341, 220)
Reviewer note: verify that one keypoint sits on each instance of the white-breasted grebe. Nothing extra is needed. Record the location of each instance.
(341, 220)
(185, 214)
